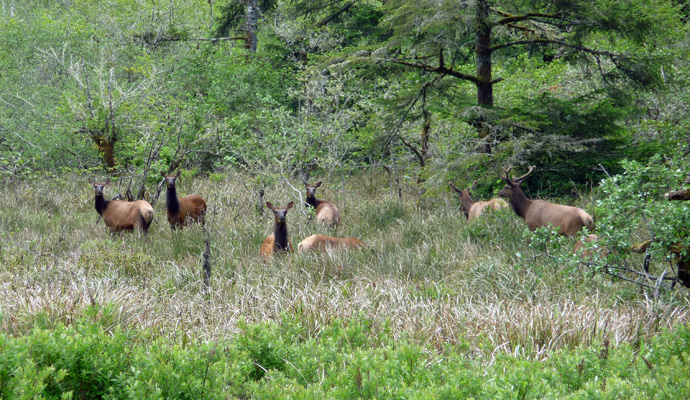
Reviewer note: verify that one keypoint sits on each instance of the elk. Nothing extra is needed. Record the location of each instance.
(323, 242)
(278, 241)
(185, 209)
(474, 209)
(326, 212)
(584, 252)
(120, 215)
(537, 213)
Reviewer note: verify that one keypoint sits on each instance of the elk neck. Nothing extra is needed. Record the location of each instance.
(467, 202)
(171, 201)
(520, 202)
(280, 236)
(313, 202)
(101, 204)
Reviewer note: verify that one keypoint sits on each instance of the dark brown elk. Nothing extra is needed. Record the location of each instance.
(278, 241)
(537, 213)
(326, 212)
(182, 210)
(323, 242)
(120, 215)
(474, 209)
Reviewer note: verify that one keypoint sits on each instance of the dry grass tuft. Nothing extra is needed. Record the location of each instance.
(429, 275)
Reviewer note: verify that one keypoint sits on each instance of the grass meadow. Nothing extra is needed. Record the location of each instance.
(467, 299)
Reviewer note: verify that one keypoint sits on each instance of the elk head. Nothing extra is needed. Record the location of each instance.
(513, 184)
(170, 179)
(311, 189)
(465, 196)
(279, 213)
(98, 187)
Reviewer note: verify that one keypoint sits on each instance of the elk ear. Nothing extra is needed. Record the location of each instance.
(454, 188)
(107, 182)
(290, 204)
(318, 184)
(178, 174)
(474, 185)
(269, 205)
(91, 182)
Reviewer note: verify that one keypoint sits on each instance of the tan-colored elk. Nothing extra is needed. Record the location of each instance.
(589, 253)
(537, 213)
(323, 242)
(326, 212)
(120, 215)
(185, 209)
(278, 241)
(474, 209)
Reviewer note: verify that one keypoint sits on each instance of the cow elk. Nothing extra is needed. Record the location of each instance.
(185, 209)
(323, 243)
(120, 215)
(589, 252)
(278, 241)
(326, 212)
(474, 209)
(537, 213)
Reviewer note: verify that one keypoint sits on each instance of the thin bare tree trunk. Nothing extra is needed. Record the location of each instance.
(252, 22)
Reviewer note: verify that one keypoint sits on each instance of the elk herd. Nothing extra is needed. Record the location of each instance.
(120, 215)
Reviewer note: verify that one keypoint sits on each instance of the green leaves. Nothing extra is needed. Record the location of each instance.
(85, 361)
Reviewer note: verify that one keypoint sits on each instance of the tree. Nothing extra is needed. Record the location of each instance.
(608, 50)
(439, 39)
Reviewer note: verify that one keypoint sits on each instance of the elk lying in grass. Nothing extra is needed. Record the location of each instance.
(185, 209)
(278, 241)
(588, 253)
(474, 209)
(326, 212)
(566, 219)
(120, 215)
(323, 242)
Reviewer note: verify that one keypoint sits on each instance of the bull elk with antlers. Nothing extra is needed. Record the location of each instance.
(474, 209)
(537, 213)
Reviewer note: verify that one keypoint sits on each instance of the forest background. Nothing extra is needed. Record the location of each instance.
(442, 89)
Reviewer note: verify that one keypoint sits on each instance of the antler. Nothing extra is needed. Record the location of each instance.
(531, 169)
(506, 177)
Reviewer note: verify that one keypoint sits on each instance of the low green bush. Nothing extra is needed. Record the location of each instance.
(276, 360)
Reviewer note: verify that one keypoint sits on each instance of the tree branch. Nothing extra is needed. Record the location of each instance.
(335, 15)
(557, 42)
(445, 71)
(526, 17)
(412, 147)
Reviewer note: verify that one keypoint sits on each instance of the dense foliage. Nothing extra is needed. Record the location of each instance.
(139, 87)
(277, 360)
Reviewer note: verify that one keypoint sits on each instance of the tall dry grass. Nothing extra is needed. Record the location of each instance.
(430, 276)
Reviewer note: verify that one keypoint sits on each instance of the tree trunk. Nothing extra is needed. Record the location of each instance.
(252, 22)
(425, 139)
(482, 48)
